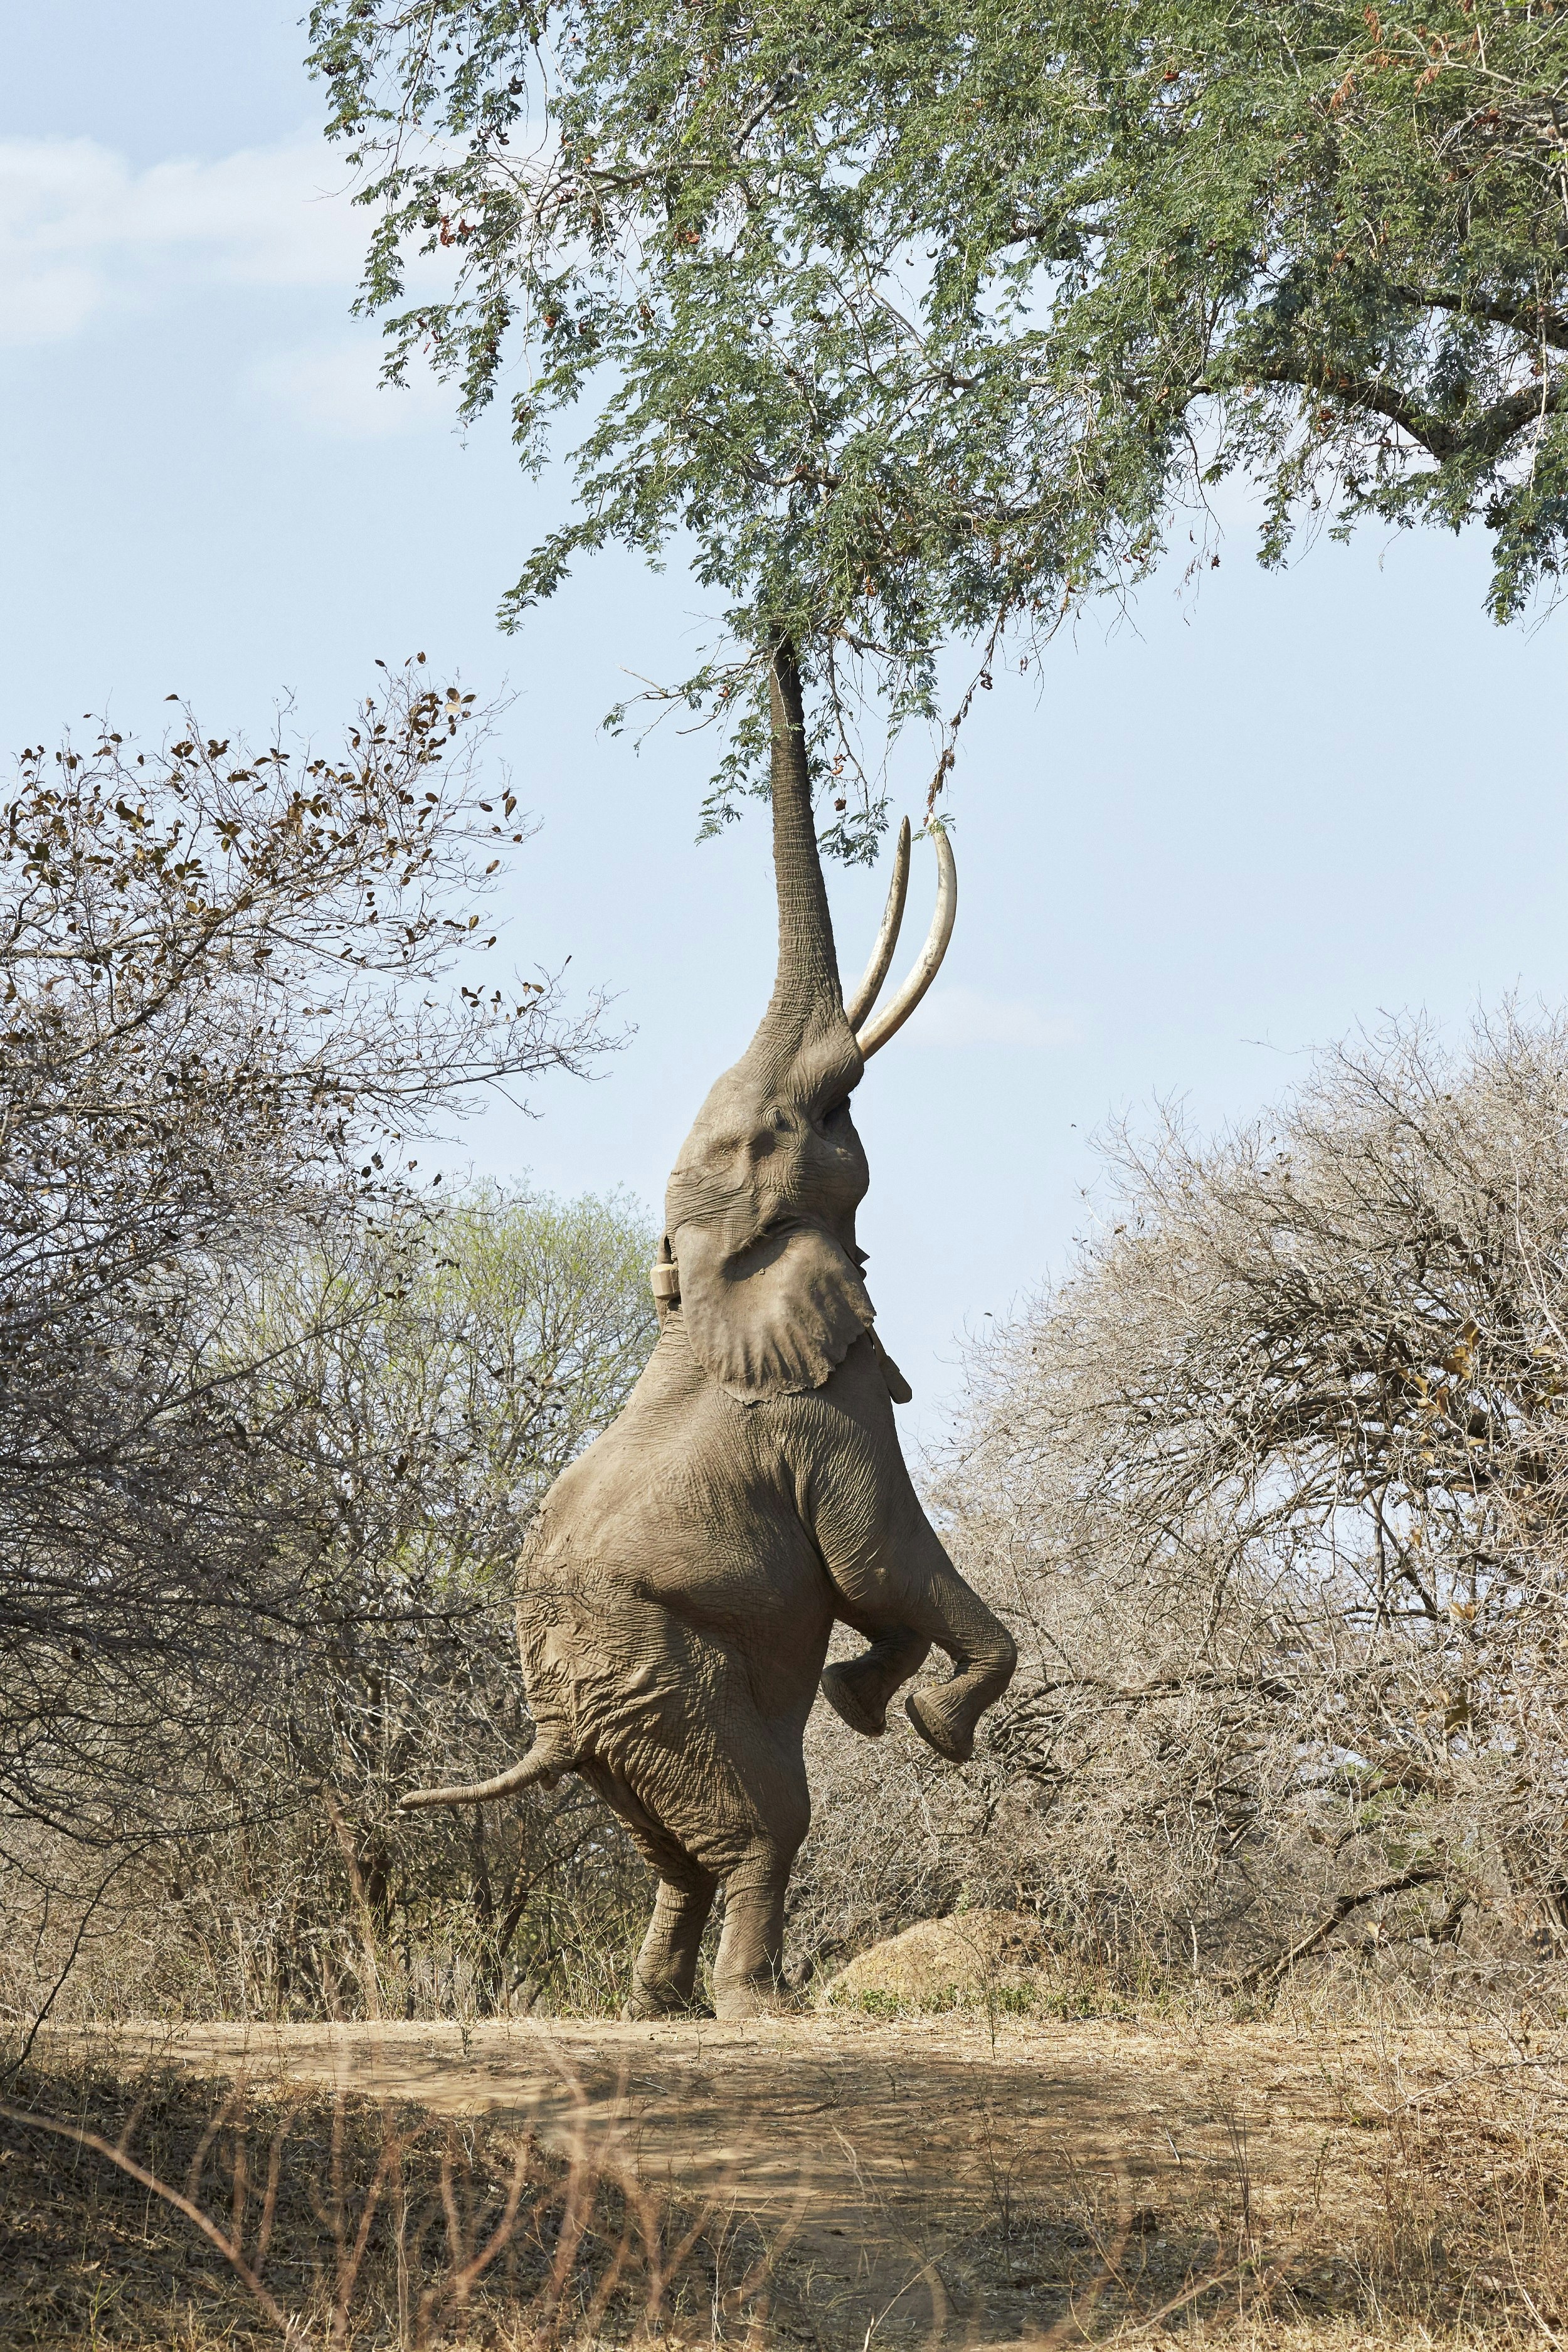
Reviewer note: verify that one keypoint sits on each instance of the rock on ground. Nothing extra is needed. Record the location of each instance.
(942, 1962)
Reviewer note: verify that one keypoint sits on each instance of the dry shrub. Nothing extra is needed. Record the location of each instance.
(252, 1492)
(1273, 1489)
(897, 1837)
(536, 1911)
(1472, 2226)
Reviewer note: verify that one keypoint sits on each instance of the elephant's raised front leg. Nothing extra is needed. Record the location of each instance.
(858, 1689)
(940, 1608)
(893, 1578)
(930, 1606)
(938, 1604)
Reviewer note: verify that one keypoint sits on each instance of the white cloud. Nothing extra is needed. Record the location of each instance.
(967, 1017)
(83, 235)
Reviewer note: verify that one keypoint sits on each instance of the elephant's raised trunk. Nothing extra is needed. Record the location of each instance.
(807, 994)
(807, 990)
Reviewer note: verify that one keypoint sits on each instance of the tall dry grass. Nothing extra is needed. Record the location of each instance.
(144, 2207)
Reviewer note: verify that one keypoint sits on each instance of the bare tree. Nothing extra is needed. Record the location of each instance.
(237, 984)
(1274, 1485)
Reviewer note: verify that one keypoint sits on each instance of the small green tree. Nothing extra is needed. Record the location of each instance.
(432, 1382)
(924, 323)
(411, 1382)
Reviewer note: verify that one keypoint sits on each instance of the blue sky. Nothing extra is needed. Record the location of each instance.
(1193, 845)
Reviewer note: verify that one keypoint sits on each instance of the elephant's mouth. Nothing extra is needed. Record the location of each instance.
(776, 1236)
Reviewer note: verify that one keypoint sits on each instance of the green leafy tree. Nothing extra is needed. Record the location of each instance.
(923, 323)
(433, 1379)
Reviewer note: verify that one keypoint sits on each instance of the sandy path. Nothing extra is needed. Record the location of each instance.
(899, 2164)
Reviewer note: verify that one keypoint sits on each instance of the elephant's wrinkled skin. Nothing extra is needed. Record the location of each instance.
(680, 1585)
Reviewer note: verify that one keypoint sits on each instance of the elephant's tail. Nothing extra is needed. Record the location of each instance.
(541, 1769)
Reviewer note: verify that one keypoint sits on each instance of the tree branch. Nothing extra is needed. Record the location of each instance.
(1268, 1973)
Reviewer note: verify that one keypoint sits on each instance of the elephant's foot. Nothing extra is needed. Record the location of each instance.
(945, 1718)
(858, 1689)
(650, 2001)
(862, 1708)
(760, 1996)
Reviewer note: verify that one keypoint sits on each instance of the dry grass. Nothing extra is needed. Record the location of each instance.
(1436, 2213)
(841, 2181)
(151, 2208)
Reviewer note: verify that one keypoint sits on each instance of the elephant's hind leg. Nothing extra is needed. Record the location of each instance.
(748, 1973)
(664, 1974)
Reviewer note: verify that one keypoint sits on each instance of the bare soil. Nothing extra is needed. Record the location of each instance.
(929, 2179)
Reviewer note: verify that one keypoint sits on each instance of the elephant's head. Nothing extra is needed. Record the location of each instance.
(759, 1244)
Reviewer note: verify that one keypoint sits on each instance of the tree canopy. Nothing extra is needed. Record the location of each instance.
(925, 323)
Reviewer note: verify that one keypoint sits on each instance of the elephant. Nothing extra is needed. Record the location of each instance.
(680, 1583)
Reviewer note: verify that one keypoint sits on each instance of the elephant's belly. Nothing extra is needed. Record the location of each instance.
(651, 1583)
(673, 1615)
(676, 1547)
(689, 1717)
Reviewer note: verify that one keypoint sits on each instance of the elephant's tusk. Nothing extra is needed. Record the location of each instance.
(893, 1016)
(876, 972)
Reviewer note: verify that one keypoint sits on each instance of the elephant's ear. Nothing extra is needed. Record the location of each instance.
(773, 1318)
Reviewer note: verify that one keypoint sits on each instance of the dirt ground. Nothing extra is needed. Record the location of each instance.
(926, 2179)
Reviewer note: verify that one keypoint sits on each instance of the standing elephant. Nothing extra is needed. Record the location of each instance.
(680, 1584)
